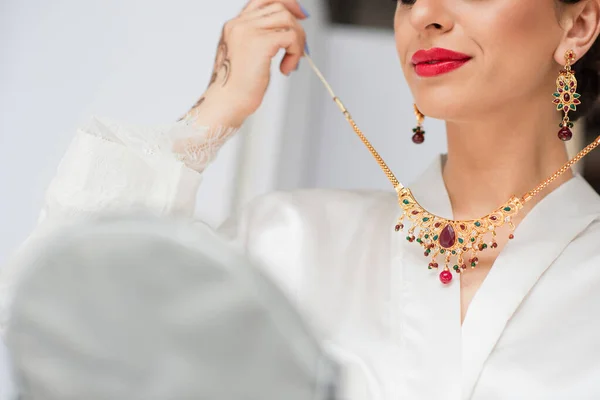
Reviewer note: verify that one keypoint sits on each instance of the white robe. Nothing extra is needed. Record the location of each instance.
(532, 329)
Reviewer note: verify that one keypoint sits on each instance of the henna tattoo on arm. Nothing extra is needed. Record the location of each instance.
(221, 70)
(222, 66)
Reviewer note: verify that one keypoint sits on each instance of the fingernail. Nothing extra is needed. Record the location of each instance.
(304, 10)
(306, 48)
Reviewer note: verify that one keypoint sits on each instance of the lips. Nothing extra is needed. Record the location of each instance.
(437, 61)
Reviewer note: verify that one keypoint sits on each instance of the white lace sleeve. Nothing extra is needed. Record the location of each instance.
(185, 141)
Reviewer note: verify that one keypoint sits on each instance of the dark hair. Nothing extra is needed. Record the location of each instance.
(588, 79)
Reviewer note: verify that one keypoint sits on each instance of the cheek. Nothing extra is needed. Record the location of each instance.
(518, 43)
(404, 35)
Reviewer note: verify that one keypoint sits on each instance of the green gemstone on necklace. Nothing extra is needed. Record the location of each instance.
(478, 224)
(456, 267)
(435, 238)
(406, 201)
(425, 219)
(426, 236)
(461, 240)
(442, 251)
(419, 240)
(473, 264)
(453, 252)
(507, 209)
(472, 239)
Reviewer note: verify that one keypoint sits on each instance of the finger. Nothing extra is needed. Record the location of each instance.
(264, 12)
(290, 63)
(293, 44)
(278, 20)
(291, 5)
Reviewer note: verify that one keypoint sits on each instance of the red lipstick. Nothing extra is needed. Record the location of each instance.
(437, 61)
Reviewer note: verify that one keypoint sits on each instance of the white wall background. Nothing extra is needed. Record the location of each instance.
(148, 61)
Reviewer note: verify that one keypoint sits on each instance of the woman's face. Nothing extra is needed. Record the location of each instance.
(505, 54)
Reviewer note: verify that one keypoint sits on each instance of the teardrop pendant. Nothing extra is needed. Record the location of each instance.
(565, 134)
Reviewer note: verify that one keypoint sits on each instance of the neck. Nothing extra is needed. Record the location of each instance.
(504, 154)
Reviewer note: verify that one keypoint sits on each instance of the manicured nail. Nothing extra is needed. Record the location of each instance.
(306, 48)
(304, 10)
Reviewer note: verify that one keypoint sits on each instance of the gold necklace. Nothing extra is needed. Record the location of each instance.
(457, 243)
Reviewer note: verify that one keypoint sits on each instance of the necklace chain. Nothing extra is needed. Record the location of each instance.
(563, 169)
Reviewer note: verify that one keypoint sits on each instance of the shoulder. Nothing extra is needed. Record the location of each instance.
(590, 238)
(328, 203)
(582, 255)
(312, 213)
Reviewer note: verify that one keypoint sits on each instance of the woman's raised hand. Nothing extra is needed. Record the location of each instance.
(242, 66)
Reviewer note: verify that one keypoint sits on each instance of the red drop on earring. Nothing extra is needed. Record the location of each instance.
(419, 136)
(565, 134)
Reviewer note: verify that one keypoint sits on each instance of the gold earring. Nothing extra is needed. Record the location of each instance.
(566, 97)
(419, 133)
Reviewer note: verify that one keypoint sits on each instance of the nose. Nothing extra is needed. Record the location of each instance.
(431, 16)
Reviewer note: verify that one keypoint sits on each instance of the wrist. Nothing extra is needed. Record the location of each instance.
(217, 107)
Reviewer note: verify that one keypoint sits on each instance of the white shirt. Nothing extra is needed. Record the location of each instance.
(531, 331)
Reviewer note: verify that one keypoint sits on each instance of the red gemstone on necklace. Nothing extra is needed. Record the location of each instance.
(567, 97)
(445, 277)
(565, 134)
(437, 225)
(447, 237)
(415, 212)
(493, 218)
(511, 236)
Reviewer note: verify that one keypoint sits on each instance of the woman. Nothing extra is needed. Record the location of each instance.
(522, 329)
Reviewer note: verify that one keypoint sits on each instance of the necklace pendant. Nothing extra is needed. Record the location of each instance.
(454, 241)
